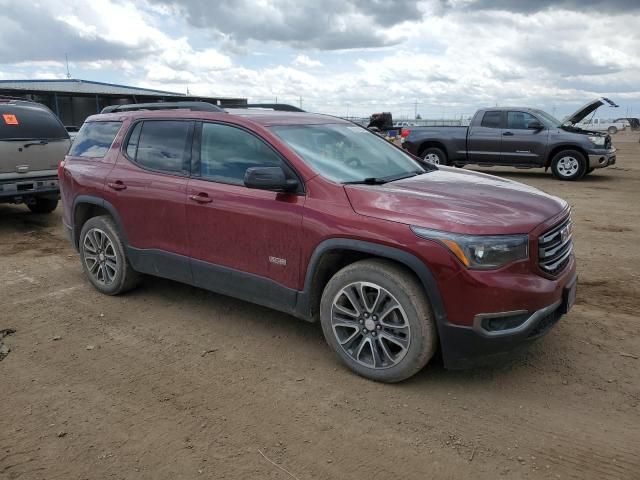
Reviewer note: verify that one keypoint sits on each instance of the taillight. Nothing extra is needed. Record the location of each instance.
(405, 132)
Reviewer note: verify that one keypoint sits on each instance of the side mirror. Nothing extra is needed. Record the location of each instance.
(269, 178)
(535, 126)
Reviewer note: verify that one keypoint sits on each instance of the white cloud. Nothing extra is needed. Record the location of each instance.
(304, 61)
(450, 61)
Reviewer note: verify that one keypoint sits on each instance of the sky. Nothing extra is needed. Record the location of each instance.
(439, 58)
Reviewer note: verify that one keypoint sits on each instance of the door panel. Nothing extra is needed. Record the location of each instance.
(484, 141)
(152, 204)
(521, 145)
(254, 231)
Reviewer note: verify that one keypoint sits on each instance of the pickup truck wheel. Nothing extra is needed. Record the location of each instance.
(568, 165)
(376, 318)
(43, 205)
(612, 130)
(103, 257)
(435, 155)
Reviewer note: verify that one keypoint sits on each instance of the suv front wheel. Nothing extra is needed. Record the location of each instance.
(376, 318)
(103, 257)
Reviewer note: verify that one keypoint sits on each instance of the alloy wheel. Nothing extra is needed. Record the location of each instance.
(370, 325)
(100, 256)
(568, 166)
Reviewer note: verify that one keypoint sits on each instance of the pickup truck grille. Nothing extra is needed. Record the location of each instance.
(555, 247)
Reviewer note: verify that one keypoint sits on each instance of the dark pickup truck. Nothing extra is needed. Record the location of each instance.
(517, 137)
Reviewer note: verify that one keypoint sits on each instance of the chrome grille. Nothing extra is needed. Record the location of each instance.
(555, 247)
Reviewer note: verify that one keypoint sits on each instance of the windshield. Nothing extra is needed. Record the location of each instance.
(347, 153)
(548, 120)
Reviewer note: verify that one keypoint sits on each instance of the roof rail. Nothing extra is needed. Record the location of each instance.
(195, 106)
(278, 107)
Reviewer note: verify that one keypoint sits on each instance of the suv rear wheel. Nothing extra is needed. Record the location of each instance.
(103, 257)
(568, 165)
(376, 318)
(43, 205)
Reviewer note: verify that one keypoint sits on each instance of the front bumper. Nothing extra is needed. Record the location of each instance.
(468, 346)
(602, 159)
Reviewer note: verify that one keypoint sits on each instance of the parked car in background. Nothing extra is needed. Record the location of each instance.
(320, 218)
(603, 125)
(632, 123)
(32, 144)
(519, 137)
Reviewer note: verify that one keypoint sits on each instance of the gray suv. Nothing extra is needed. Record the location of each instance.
(32, 144)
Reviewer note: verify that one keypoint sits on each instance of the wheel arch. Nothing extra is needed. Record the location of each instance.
(86, 207)
(557, 149)
(334, 254)
(432, 144)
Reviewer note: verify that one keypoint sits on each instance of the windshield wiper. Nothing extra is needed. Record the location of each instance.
(382, 181)
(368, 181)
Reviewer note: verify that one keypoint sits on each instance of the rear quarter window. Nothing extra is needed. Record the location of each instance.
(491, 119)
(94, 139)
(25, 122)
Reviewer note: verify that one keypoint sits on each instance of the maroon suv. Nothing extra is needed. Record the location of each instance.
(319, 218)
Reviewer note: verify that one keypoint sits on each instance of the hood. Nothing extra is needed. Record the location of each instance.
(585, 110)
(457, 201)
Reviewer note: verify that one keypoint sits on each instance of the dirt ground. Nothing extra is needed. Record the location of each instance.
(172, 382)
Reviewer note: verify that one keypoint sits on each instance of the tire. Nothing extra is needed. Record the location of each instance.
(355, 336)
(99, 235)
(568, 165)
(435, 155)
(43, 205)
(612, 130)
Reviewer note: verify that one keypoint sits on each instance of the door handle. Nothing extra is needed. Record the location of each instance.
(201, 198)
(117, 185)
(508, 134)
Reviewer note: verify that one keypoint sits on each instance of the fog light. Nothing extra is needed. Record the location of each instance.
(504, 322)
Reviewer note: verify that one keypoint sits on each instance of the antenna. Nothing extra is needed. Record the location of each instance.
(66, 58)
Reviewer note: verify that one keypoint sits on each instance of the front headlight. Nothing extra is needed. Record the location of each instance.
(480, 252)
(596, 140)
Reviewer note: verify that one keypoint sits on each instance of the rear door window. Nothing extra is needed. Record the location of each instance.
(492, 120)
(94, 139)
(161, 145)
(25, 122)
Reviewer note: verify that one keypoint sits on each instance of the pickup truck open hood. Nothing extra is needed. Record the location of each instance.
(585, 110)
(457, 201)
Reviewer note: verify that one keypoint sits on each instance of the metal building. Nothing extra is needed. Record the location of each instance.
(74, 100)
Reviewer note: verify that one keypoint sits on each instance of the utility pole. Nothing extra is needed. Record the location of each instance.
(415, 109)
(66, 59)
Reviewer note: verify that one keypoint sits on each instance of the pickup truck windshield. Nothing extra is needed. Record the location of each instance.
(348, 153)
(548, 120)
